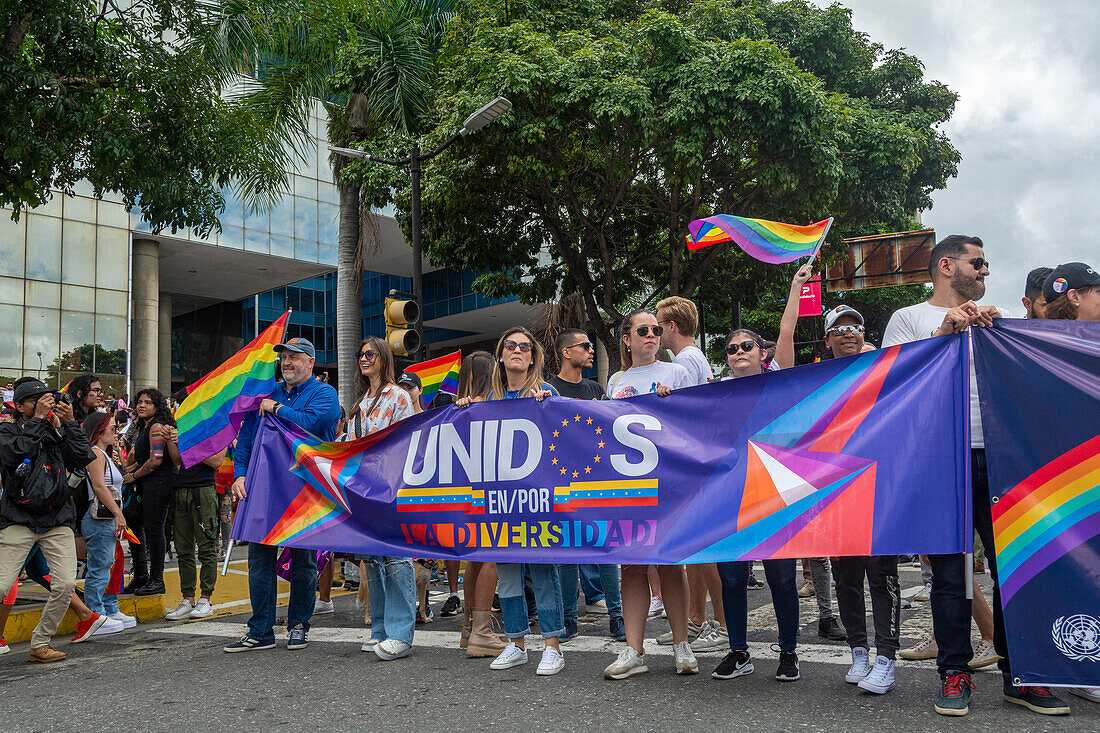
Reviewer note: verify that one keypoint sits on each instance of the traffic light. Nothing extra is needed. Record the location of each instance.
(401, 317)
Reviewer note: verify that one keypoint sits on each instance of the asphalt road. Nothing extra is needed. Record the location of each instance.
(165, 677)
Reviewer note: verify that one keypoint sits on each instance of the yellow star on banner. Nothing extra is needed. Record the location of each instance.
(600, 444)
(599, 430)
(576, 418)
(589, 421)
(588, 469)
(555, 433)
(575, 474)
(596, 459)
(563, 472)
(564, 423)
(552, 447)
(555, 461)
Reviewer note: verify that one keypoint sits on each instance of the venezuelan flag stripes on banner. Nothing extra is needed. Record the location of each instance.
(208, 420)
(767, 241)
(1039, 388)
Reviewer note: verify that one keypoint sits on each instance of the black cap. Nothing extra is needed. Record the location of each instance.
(1070, 276)
(410, 379)
(28, 389)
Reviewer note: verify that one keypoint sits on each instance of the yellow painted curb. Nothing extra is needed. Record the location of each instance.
(22, 622)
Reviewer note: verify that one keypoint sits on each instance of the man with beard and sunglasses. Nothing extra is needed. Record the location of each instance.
(958, 268)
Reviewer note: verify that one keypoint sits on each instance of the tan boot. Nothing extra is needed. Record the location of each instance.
(467, 620)
(45, 655)
(483, 642)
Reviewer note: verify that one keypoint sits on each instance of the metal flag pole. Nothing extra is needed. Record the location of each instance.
(828, 226)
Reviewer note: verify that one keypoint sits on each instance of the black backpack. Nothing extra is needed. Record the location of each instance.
(44, 490)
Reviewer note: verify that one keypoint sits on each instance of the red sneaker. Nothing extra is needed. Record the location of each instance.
(85, 629)
(4, 648)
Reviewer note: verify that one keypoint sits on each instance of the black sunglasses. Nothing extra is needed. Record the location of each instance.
(644, 330)
(977, 263)
(523, 346)
(745, 346)
(586, 345)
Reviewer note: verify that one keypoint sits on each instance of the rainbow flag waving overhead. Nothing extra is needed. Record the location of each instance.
(438, 375)
(210, 417)
(767, 241)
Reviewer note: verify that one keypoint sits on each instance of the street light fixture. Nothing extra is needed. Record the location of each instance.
(473, 123)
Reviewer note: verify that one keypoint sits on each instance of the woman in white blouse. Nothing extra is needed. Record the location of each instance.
(391, 580)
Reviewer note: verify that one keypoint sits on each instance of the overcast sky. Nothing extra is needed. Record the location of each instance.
(1027, 123)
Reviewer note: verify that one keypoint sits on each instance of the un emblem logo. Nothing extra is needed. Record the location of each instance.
(1078, 637)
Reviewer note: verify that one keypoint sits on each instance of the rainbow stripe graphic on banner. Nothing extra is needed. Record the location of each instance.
(444, 499)
(208, 420)
(309, 512)
(1046, 515)
(620, 493)
(438, 375)
(767, 241)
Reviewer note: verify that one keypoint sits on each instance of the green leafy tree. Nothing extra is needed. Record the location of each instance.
(116, 93)
(634, 117)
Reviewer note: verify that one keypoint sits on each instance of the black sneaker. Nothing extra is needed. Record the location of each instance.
(734, 664)
(496, 601)
(249, 643)
(152, 588)
(297, 638)
(788, 667)
(351, 585)
(450, 607)
(754, 584)
(954, 697)
(1037, 699)
(618, 628)
(570, 630)
(830, 628)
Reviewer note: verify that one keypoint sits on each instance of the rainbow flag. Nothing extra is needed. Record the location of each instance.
(210, 417)
(767, 241)
(117, 579)
(438, 375)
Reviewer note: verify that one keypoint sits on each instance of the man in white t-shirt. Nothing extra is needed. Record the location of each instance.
(958, 268)
(680, 319)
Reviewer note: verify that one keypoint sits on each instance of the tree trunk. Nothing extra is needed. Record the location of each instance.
(349, 284)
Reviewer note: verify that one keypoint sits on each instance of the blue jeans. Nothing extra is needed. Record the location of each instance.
(590, 583)
(735, 597)
(262, 588)
(99, 536)
(392, 585)
(609, 579)
(513, 603)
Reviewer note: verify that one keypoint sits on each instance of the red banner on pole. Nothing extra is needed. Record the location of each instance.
(809, 300)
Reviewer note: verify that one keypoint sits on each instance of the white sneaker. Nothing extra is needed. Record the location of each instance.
(1089, 693)
(881, 679)
(183, 610)
(628, 664)
(552, 662)
(128, 622)
(391, 649)
(861, 666)
(512, 656)
(369, 644)
(714, 640)
(924, 594)
(320, 607)
(203, 609)
(694, 631)
(110, 626)
(685, 660)
(984, 655)
(599, 606)
(656, 607)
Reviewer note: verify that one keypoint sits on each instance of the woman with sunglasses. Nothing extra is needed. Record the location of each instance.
(643, 374)
(517, 374)
(745, 357)
(391, 580)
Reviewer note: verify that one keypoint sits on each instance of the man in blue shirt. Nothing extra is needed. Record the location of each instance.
(313, 406)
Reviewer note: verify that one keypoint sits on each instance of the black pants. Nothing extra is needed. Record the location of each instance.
(148, 557)
(951, 610)
(882, 578)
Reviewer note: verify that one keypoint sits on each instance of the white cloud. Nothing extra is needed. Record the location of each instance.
(1028, 79)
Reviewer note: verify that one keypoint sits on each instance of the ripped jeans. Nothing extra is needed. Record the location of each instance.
(392, 585)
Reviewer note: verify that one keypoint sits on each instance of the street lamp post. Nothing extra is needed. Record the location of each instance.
(473, 123)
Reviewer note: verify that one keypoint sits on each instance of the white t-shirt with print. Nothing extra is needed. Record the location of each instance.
(643, 380)
(917, 322)
(394, 405)
(698, 368)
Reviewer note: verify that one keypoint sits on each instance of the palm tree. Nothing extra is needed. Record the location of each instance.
(369, 61)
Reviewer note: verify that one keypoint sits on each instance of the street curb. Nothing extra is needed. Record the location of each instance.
(21, 623)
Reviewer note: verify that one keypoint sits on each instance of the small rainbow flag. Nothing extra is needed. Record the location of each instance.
(128, 535)
(210, 417)
(767, 241)
(438, 375)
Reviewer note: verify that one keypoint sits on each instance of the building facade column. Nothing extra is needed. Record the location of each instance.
(164, 345)
(146, 317)
(601, 363)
